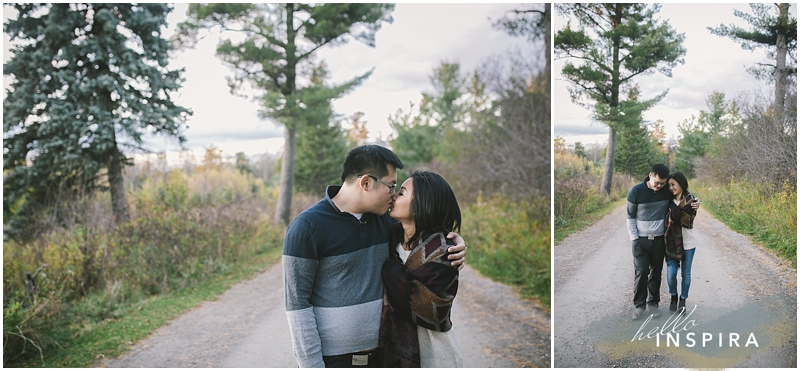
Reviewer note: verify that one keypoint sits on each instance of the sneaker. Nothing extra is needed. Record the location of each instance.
(637, 312)
(673, 303)
(653, 309)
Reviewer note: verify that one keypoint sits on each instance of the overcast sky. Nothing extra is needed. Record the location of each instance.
(406, 51)
(423, 35)
(712, 63)
(405, 54)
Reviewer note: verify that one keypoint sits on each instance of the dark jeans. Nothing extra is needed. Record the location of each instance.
(372, 360)
(648, 259)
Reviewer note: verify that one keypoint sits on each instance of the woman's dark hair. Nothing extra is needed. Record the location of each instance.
(681, 179)
(433, 205)
(369, 159)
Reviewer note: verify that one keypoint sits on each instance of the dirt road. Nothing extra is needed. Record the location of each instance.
(247, 327)
(737, 287)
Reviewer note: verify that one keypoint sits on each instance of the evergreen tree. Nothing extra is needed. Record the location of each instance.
(696, 136)
(442, 106)
(637, 149)
(321, 143)
(579, 150)
(531, 21)
(615, 43)
(278, 40)
(88, 81)
(777, 33)
(445, 108)
(414, 140)
(243, 163)
(419, 139)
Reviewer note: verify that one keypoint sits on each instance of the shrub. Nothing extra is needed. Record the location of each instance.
(577, 188)
(769, 216)
(506, 245)
(184, 230)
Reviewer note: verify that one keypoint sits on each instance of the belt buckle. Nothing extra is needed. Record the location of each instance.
(360, 359)
(651, 237)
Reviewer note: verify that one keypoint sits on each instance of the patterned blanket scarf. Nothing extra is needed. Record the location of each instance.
(678, 216)
(419, 293)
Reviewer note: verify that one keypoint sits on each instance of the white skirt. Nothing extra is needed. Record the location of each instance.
(438, 349)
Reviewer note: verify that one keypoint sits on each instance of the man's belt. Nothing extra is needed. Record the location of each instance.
(355, 359)
(652, 237)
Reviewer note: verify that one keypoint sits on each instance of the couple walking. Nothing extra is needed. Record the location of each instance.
(661, 212)
(370, 274)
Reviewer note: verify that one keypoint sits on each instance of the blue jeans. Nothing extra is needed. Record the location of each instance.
(686, 273)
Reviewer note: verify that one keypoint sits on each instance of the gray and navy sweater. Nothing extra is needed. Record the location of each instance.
(332, 277)
(647, 210)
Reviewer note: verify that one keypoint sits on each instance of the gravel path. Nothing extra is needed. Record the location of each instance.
(738, 289)
(247, 327)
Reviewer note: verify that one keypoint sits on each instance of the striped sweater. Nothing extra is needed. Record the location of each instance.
(332, 279)
(647, 210)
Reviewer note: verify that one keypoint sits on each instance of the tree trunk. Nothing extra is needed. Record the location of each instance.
(119, 203)
(608, 171)
(284, 206)
(780, 59)
(547, 41)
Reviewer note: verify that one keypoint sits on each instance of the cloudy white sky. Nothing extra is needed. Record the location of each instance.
(406, 51)
(712, 63)
(421, 36)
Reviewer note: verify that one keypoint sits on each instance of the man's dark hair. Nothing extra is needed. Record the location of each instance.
(661, 170)
(433, 205)
(369, 159)
(681, 179)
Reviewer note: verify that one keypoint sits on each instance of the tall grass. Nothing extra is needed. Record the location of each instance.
(768, 216)
(577, 194)
(184, 230)
(508, 246)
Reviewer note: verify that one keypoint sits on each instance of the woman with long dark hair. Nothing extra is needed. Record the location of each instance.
(420, 284)
(679, 238)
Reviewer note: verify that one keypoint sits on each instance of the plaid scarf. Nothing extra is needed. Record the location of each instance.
(678, 216)
(419, 293)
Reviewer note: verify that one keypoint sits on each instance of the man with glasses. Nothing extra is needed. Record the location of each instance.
(648, 203)
(332, 258)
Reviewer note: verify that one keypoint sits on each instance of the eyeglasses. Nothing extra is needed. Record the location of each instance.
(391, 186)
(659, 184)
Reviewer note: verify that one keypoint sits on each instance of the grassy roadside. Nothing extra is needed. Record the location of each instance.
(768, 217)
(570, 226)
(113, 337)
(506, 245)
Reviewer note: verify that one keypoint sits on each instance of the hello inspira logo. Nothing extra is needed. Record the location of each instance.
(679, 331)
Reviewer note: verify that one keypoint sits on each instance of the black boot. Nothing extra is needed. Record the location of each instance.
(673, 303)
(682, 304)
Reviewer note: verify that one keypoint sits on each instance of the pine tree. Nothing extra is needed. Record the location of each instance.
(321, 143)
(531, 21)
(278, 39)
(579, 150)
(696, 135)
(777, 33)
(432, 132)
(637, 149)
(88, 81)
(615, 43)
